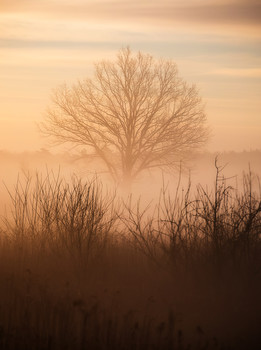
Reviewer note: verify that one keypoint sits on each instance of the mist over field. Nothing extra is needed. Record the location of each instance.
(200, 169)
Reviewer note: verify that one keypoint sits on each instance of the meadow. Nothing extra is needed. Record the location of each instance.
(85, 267)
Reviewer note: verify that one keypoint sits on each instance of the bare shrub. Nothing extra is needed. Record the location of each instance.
(54, 214)
(157, 284)
(219, 227)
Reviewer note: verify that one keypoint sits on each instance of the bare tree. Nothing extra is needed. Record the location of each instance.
(135, 114)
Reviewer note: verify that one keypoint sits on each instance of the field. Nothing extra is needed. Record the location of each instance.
(177, 265)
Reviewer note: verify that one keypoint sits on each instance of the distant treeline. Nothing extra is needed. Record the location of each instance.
(244, 157)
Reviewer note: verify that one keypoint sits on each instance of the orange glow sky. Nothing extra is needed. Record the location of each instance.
(216, 44)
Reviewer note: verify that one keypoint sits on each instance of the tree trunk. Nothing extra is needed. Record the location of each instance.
(127, 183)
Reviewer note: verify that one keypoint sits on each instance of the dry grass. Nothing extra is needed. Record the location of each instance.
(79, 272)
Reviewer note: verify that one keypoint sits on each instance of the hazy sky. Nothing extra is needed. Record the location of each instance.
(216, 44)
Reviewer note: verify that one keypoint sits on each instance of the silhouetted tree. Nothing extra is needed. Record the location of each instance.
(135, 114)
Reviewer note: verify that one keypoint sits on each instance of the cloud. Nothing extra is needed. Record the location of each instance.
(55, 44)
(247, 13)
(243, 12)
(229, 13)
(239, 73)
(15, 5)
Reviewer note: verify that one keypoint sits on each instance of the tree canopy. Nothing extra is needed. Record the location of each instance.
(136, 113)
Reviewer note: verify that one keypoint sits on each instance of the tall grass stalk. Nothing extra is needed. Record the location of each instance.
(79, 271)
